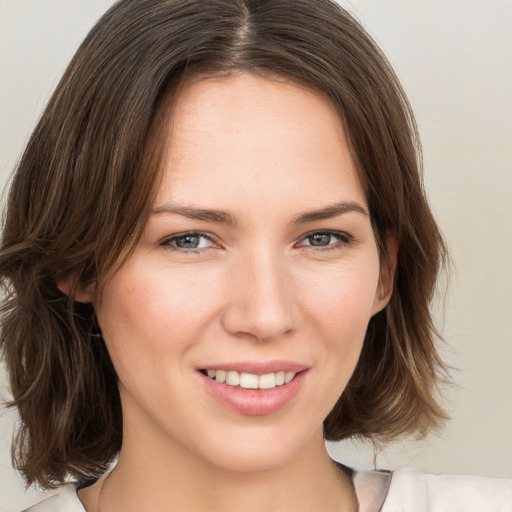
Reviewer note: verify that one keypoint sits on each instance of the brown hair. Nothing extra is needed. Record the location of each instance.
(83, 187)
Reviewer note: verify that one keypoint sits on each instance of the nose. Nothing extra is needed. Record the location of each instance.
(260, 301)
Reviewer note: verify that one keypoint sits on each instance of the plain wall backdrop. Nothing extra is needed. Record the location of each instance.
(454, 58)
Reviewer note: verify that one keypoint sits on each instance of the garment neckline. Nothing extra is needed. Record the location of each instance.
(370, 487)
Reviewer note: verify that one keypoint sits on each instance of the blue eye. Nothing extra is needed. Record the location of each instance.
(327, 239)
(190, 241)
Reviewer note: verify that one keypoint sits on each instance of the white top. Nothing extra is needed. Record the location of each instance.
(405, 490)
(408, 490)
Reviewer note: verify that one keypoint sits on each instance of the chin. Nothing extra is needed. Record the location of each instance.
(257, 450)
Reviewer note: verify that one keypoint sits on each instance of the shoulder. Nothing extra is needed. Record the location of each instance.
(66, 500)
(411, 490)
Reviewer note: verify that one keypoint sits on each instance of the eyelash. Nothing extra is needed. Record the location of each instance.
(344, 239)
(200, 234)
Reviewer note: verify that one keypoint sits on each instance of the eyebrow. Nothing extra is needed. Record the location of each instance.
(329, 212)
(222, 217)
(217, 216)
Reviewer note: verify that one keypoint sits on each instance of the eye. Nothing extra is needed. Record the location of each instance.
(326, 239)
(190, 241)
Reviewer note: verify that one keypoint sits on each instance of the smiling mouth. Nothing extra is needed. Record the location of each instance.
(245, 380)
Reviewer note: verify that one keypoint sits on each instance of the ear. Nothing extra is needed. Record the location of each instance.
(71, 286)
(387, 274)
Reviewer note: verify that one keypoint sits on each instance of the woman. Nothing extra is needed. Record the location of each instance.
(218, 254)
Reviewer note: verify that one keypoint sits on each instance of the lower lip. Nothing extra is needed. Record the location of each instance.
(254, 402)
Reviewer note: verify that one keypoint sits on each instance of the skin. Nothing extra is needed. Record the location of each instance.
(265, 153)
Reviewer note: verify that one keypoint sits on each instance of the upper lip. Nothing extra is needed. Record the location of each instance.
(257, 367)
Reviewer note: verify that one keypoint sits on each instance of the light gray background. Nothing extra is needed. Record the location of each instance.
(455, 60)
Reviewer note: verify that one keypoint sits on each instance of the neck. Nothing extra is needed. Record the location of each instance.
(302, 485)
(156, 473)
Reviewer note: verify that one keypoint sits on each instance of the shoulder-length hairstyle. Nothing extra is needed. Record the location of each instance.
(86, 181)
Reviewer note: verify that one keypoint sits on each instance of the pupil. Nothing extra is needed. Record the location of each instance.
(319, 239)
(188, 242)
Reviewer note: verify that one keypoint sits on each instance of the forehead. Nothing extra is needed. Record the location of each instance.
(230, 136)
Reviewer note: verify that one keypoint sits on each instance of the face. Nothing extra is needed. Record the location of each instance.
(258, 265)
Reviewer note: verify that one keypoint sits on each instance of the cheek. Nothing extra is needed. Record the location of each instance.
(149, 311)
(341, 300)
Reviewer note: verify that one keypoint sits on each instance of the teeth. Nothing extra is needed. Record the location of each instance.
(288, 376)
(250, 380)
(267, 381)
(233, 378)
